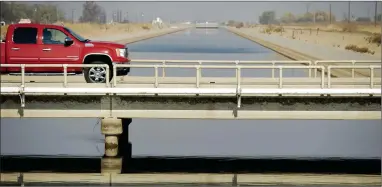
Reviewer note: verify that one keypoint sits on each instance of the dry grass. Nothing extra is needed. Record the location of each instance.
(3, 31)
(146, 27)
(366, 36)
(271, 28)
(355, 48)
(374, 39)
(89, 30)
(239, 25)
(367, 28)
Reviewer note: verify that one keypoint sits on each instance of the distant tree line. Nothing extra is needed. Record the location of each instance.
(39, 13)
(269, 17)
(46, 13)
(237, 24)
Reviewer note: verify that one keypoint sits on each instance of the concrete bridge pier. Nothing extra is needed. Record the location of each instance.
(111, 165)
(111, 128)
(117, 144)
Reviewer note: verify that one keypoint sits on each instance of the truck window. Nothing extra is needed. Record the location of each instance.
(80, 38)
(53, 36)
(25, 35)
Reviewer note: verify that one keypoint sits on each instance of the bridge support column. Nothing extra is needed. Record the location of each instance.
(111, 128)
(117, 144)
(111, 165)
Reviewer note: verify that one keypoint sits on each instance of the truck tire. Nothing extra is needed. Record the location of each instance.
(97, 74)
(123, 71)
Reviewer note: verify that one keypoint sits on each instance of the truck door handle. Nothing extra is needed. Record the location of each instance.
(46, 49)
(15, 48)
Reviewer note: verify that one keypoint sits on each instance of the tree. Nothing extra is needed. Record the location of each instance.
(267, 17)
(288, 18)
(92, 12)
(231, 23)
(47, 14)
(379, 17)
(307, 17)
(13, 12)
(322, 16)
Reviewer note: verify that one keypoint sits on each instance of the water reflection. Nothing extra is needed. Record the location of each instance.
(187, 165)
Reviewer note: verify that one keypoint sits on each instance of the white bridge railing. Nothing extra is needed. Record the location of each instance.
(325, 80)
(238, 69)
(268, 62)
(236, 88)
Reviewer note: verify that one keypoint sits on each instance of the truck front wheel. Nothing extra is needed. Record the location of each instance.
(123, 71)
(97, 74)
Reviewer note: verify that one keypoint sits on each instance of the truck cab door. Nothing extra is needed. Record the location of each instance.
(23, 48)
(54, 51)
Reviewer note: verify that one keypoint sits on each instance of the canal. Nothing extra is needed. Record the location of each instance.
(290, 139)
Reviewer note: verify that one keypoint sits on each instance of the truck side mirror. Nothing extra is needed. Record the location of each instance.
(68, 41)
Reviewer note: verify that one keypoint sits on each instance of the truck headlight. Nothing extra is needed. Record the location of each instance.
(121, 52)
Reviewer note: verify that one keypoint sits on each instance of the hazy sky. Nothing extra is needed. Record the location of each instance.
(220, 11)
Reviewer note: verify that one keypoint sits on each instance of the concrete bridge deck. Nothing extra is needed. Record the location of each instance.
(208, 25)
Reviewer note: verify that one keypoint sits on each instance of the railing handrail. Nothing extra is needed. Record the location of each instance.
(348, 61)
(222, 61)
(249, 61)
(371, 67)
(352, 62)
(198, 69)
(190, 91)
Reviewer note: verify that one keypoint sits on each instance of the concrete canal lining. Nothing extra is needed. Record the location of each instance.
(184, 178)
(294, 50)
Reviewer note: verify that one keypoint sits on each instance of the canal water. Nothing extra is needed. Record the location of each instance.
(287, 139)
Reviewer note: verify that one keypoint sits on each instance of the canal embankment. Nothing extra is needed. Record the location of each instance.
(129, 38)
(184, 178)
(300, 50)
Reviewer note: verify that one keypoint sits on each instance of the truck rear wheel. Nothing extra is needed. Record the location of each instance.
(97, 74)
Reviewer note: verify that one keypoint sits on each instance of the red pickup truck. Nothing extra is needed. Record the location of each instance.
(29, 43)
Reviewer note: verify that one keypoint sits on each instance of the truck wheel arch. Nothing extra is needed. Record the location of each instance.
(98, 57)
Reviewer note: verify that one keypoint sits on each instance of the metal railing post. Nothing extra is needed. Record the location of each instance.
(197, 76)
(107, 76)
(280, 77)
(329, 76)
(310, 69)
(238, 77)
(352, 70)
(156, 76)
(65, 75)
(371, 77)
(163, 70)
(23, 75)
(115, 75)
(315, 69)
(322, 76)
(273, 69)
